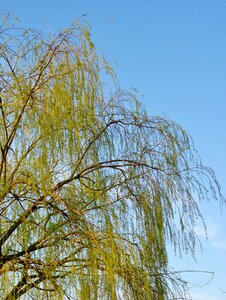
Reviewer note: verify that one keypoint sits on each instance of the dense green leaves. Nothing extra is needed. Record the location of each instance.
(92, 189)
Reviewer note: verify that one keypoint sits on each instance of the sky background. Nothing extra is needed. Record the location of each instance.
(174, 53)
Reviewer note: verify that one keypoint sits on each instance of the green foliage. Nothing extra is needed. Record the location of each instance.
(91, 188)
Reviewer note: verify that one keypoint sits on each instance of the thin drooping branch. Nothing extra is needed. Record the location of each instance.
(24, 286)
(20, 220)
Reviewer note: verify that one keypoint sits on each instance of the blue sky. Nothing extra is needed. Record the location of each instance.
(174, 53)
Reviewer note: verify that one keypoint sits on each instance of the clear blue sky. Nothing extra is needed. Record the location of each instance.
(174, 53)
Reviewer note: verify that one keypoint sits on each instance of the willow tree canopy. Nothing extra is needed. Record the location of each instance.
(91, 188)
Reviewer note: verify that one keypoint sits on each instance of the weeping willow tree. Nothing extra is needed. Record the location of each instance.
(92, 189)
